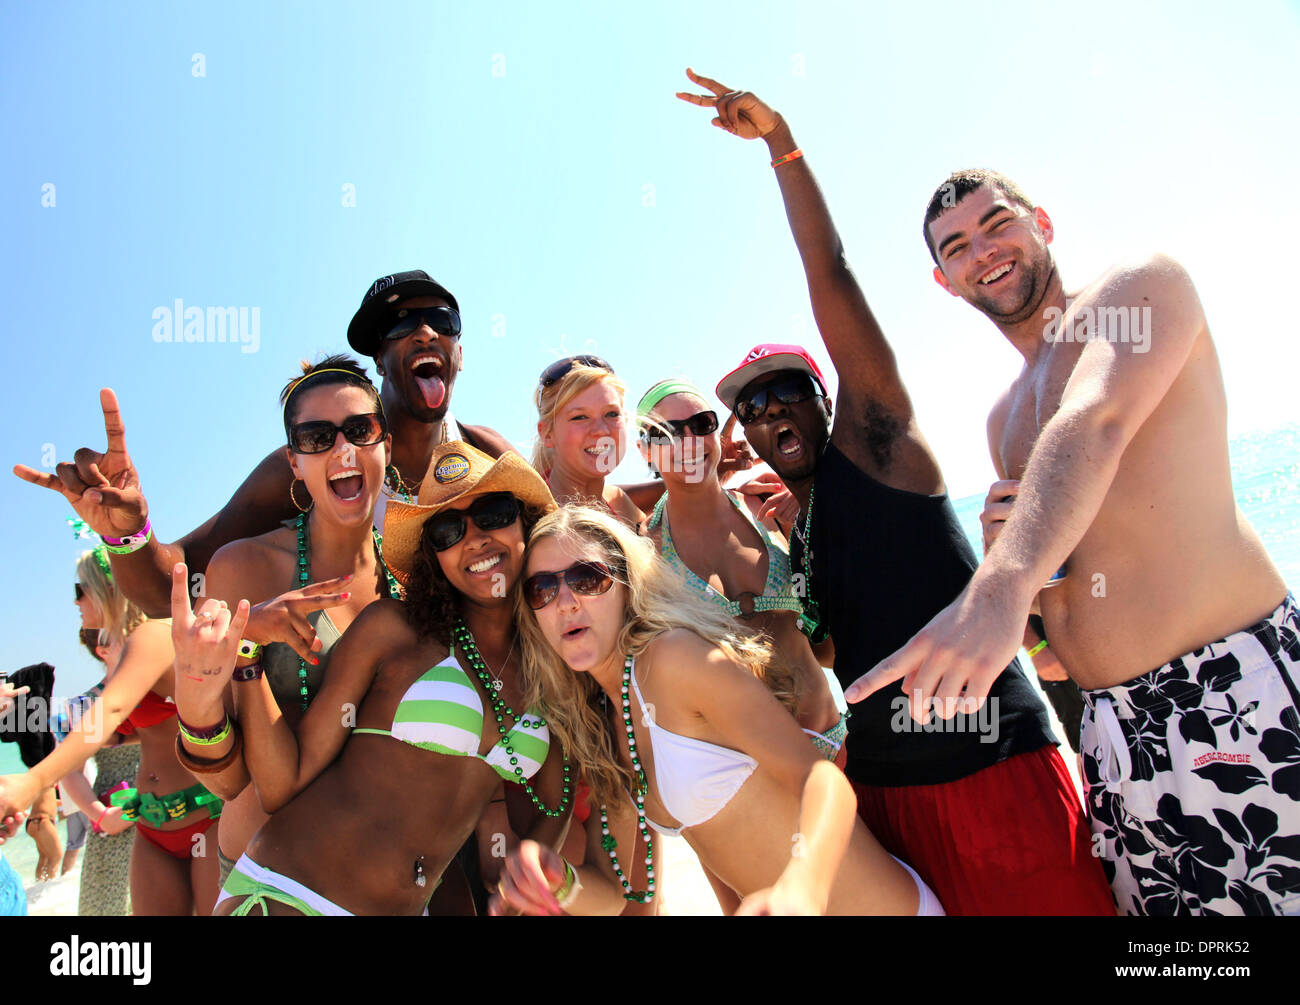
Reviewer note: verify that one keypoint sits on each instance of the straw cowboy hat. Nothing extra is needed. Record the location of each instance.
(455, 470)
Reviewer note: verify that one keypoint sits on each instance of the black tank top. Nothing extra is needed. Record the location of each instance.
(884, 563)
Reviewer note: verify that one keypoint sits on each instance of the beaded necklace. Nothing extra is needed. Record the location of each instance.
(304, 577)
(607, 840)
(464, 638)
(810, 621)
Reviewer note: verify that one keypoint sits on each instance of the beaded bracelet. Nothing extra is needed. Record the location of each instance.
(130, 543)
(207, 736)
(1037, 649)
(793, 155)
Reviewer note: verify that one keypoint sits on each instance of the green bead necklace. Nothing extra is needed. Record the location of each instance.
(607, 840)
(304, 577)
(465, 640)
(810, 620)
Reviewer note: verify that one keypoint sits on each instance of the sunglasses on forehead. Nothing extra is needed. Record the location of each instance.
(789, 390)
(405, 320)
(699, 424)
(490, 512)
(560, 367)
(591, 579)
(317, 435)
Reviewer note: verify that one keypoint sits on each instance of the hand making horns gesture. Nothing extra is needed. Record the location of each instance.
(206, 641)
(740, 113)
(102, 487)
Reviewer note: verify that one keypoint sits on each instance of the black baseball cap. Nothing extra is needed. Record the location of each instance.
(364, 334)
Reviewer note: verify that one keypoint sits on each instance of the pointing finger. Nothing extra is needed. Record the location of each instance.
(888, 670)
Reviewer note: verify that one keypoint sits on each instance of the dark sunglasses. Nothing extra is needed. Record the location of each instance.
(317, 436)
(699, 424)
(89, 636)
(789, 391)
(562, 366)
(591, 579)
(81, 590)
(442, 320)
(489, 512)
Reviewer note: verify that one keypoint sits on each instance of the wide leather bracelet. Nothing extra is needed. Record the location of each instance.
(244, 674)
(203, 766)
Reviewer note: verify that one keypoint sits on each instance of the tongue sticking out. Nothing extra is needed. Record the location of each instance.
(346, 488)
(433, 389)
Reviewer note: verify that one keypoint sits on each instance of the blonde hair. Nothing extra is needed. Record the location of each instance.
(550, 400)
(658, 601)
(121, 616)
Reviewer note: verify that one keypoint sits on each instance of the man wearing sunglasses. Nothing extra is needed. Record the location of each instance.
(982, 807)
(407, 322)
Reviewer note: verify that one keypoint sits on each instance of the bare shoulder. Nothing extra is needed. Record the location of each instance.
(1153, 274)
(250, 565)
(486, 439)
(682, 660)
(383, 627)
(149, 640)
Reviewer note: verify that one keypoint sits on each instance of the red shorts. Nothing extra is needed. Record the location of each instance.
(1010, 839)
(175, 843)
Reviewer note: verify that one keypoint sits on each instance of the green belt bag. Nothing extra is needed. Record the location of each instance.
(157, 811)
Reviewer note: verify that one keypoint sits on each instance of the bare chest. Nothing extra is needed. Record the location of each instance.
(1035, 398)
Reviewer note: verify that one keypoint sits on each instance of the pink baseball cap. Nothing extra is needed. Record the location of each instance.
(762, 360)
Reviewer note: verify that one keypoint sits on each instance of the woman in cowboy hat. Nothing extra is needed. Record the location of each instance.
(414, 726)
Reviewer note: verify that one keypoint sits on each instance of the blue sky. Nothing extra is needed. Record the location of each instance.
(534, 160)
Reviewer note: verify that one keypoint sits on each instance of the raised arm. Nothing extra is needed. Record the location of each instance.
(104, 489)
(1110, 394)
(283, 763)
(880, 431)
(145, 658)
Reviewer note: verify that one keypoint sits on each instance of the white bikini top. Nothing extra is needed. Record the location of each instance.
(695, 778)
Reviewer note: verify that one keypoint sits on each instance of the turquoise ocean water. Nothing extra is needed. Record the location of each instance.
(1265, 476)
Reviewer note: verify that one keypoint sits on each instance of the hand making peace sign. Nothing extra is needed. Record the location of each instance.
(739, 112)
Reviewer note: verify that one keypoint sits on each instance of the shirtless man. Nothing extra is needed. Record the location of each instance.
(410, 325)
(1117, 436)
(984, 811)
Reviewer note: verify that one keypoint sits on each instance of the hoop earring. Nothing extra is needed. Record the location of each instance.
(300, 509)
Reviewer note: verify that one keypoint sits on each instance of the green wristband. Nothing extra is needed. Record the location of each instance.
(1037, 649)
(206, 737)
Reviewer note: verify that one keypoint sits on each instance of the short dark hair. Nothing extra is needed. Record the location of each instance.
(960, 184)
(342, 369)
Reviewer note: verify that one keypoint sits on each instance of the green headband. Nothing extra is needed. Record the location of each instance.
(656, 394)
(81, 529)
(101, 559)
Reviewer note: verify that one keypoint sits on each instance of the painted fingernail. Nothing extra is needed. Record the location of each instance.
(347, 596)
(315, 662)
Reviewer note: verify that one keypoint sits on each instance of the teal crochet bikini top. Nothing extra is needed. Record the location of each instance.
(778, 592)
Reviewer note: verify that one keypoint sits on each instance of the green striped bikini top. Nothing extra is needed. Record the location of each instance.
(778, 592)
(442, 712)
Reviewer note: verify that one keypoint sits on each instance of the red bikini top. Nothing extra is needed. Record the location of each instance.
(151, 711)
